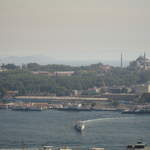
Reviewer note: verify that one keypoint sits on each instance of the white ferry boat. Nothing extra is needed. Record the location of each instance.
(80, 126)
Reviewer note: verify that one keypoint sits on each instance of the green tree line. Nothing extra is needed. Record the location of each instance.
(85, 77)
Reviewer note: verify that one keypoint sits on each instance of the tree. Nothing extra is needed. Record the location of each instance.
(115, 103)
(145, 98)
(2, 92)
(10, 66)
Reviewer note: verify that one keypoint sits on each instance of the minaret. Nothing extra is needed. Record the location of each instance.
(144, 61)
(121, 63)
(0, 65)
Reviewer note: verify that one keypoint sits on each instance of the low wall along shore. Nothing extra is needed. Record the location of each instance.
(62, 98)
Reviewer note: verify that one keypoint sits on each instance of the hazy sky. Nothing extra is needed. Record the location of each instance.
(75, 29)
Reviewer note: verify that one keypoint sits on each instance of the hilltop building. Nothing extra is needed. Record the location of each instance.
(105, 68)
(141, 63)
(2, 69)
(64, 73)
(10, 94)
(57, 73)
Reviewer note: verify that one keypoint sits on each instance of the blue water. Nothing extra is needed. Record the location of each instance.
(56, 128)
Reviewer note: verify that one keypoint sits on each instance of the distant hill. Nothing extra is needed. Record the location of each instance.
(18, 60)
(43, 60)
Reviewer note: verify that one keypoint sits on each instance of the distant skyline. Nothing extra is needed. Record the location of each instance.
(75, 30)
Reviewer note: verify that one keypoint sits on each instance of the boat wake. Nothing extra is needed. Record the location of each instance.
(80, 125)
(104, 119)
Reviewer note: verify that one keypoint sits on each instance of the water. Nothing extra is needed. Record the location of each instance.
(111, 130)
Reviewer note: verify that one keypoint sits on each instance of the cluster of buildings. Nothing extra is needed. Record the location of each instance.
(141, 63)
(24, 106)
(138, 89)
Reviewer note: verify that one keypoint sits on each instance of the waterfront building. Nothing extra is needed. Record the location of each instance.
(142, 88)
(65, 148)
(10, 94)
(95, 148)
(76, 93)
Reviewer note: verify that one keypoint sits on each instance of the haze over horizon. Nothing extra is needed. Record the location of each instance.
(44, 60)
(75, 30)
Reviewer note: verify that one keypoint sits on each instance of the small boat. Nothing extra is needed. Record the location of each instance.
(128, 111)
(139, 146)
(47, 147)
(136, 111)
(79, 126)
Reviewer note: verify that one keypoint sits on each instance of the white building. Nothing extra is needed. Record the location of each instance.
(142, 88)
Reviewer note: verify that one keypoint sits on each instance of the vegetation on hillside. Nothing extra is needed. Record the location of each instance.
(22, 79)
